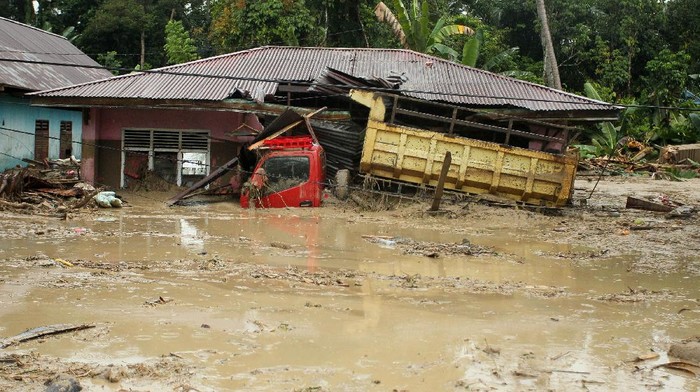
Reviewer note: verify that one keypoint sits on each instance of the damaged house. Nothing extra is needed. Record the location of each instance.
(33, 60)
(181, 121)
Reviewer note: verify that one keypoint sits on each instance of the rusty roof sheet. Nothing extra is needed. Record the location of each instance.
(260, 71)
(21, 45)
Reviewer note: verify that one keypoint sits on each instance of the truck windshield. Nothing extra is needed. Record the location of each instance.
(285, 172)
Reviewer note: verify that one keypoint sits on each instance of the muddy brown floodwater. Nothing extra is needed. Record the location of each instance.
(210, 297)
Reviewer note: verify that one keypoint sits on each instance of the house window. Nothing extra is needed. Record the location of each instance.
(41, 139)
(178, 156)
(66, 141)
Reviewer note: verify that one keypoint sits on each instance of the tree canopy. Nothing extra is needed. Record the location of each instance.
(632, 51)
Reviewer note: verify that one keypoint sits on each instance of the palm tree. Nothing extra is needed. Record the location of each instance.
(412, 28)
(551, 69)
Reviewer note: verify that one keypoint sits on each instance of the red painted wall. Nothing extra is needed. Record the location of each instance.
(113, 121)
(104, 128)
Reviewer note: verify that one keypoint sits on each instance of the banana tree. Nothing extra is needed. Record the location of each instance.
(412, 27)
(607, 141)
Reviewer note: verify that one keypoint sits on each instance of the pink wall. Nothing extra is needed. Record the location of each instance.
(87, 162)
(113, 121)
(104, 127)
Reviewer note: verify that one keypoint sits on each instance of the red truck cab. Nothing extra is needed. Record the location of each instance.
(290, 173)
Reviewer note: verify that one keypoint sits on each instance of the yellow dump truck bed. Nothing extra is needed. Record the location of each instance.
(416, 156)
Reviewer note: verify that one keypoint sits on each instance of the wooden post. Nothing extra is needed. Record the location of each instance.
(452, 122)
(441, 181)
(510, 128)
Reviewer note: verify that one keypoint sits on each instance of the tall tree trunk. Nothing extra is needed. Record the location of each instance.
(551, 69)
(26, 10)
(362, 25)
(143, 49)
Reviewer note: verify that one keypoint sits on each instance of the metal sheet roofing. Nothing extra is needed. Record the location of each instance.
(260, 71)
(22, 45)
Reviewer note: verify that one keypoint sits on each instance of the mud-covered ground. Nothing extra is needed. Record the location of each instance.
(210, 297)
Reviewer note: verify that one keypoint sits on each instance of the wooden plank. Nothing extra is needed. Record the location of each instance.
(678, 153)
(641, 204)
(204, 181)
(306, 118)
(274, 135)
(38, 332)
(441, 181)
(452, 122)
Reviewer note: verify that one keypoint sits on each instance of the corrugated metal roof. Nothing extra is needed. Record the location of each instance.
(259, 72)
(21, 44)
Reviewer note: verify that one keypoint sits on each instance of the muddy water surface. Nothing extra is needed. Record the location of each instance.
(302, 300)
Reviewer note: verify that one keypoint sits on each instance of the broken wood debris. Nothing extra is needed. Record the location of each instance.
(680, 153)
(646, 205)
(428, 249)
(52, 187)
(437, 198)
(38, 332)
(685, 367)
(320, 278)
(216, 174)
(158, 301)
(645, 357)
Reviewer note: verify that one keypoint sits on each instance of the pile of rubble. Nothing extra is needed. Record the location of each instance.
(45, 188)
(674, 163)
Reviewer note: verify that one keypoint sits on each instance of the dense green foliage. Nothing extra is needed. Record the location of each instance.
(642, 52)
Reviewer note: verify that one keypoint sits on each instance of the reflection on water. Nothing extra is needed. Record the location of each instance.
(190, 237)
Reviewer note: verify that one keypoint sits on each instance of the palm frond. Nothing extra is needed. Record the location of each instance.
(424, 23)
(444, 51)
(591, 92)
(384, 14)
(496, 60)
(452, 29)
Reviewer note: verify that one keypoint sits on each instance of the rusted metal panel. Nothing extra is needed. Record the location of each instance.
(23, 44)
(259, 72)
(416, 156)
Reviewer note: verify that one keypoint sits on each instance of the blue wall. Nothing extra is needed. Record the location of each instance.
(17, 115)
